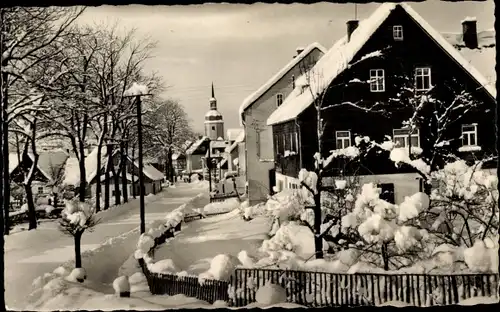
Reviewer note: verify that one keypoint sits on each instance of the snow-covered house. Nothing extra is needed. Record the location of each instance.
(19, 167)
(255, 110)
(365, 79)
(231, 162)
(152, 182)
(195, 154)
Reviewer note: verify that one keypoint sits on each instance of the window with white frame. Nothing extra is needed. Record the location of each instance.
(402, 138)
(469, 135)
(377, 80)
(343, 139)
(279, 99)
(397, 32)
(423, 78)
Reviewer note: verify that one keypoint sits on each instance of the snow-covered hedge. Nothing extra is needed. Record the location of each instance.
(227, 205)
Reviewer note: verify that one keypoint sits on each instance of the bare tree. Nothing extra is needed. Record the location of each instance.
(168, 128)
(29, 36)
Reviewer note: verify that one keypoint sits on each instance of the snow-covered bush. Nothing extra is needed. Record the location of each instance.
(482, 256)
(270, 294)
(285, 205)
(166, 266)
(222, 267)
(144, 245)
(78, 274)
(379, 227)
(292, 237)
(221, 207)
(77, 217)
(121, 286)
(464, 204)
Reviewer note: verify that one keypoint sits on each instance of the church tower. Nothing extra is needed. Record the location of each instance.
(214, 124)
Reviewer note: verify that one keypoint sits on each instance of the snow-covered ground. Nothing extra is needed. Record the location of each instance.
(29, 254)
(201, 240)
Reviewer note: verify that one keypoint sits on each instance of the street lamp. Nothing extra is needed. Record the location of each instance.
(137, 91)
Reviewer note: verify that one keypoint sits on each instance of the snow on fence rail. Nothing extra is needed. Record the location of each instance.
(223, 197)
(318, 289)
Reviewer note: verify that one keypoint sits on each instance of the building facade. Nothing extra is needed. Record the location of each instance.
(254, 111)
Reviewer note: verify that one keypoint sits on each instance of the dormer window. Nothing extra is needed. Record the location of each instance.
(377, 80)
(279, 99)
(469, 135)
(423, 78)
(397, 32)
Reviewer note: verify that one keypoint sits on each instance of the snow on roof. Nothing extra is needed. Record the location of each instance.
(195, 145)
(234, 133)
(337, 59)
(213, 113)
(150, 171)
(71, 172)
(130, 177)
(484, 57)
(52, 162)
(241, 137)
(469, 19)
(265, 87)
(14, 163)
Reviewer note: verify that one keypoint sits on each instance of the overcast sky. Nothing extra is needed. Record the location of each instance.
(239, 47)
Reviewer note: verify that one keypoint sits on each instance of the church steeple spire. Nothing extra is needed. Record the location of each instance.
(213, 101)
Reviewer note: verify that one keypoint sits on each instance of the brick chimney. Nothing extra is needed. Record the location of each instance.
(469, 32)
(351, 27)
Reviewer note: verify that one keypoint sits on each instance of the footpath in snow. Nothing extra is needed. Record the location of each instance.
(201, 240)
(29, 254)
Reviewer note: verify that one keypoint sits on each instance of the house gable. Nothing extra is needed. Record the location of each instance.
(371, 35)
(269, 89)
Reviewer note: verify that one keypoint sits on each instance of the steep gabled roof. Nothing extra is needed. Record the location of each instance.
(193, 147)
(14, 163)
(337, 59)
(274, 79)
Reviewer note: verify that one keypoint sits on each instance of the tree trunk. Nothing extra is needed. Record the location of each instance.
(83, 173)
(318, 240)
(385, 257)
(5, 153)
(31, 207)
(123, 170)
(106, 176)
(116, 180)
(170, 166)
(98, 177)
(78, 255)
(55, 199)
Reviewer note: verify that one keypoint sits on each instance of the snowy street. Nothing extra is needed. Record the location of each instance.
(31, 254)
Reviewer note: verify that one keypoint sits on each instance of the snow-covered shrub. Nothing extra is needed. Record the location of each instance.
(270, 294)
(462, 204)
(145, 243)
(121, 286)
(285, 205)
(378, 227)
(76, 218)
(221, 207)
(61, 271)
(166, 266)
(482, 256)
(78, 274)
(222, 267)
(292, 237)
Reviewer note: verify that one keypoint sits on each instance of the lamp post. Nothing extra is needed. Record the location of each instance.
(137, 91)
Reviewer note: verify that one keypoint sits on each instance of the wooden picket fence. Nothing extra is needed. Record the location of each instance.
(318, 289)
